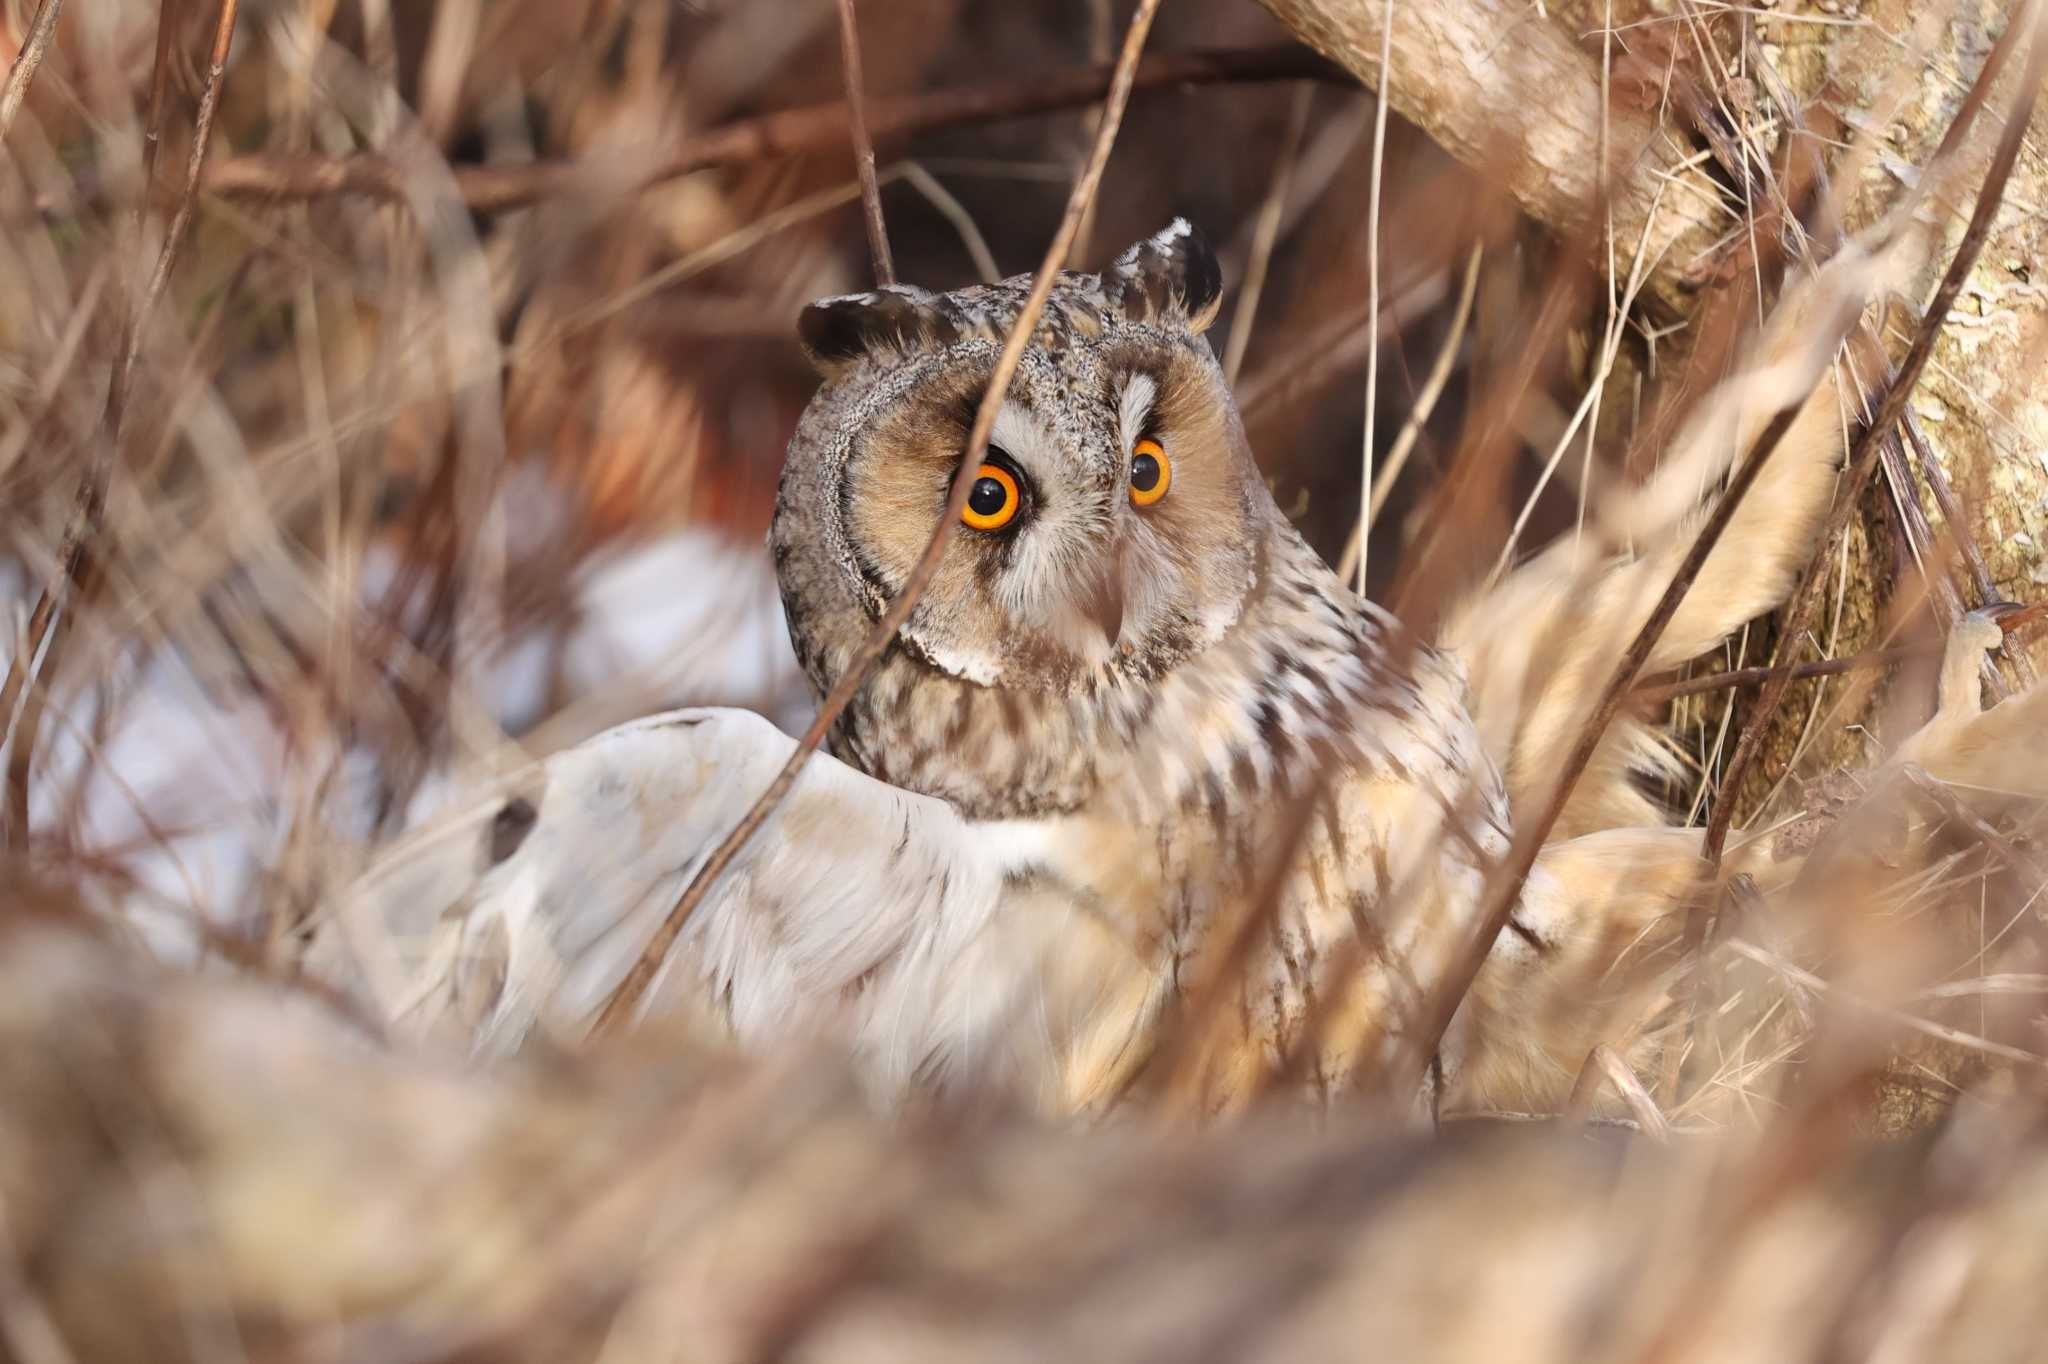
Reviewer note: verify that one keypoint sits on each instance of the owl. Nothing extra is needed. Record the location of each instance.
(1253, 785)
(1141, 797)
(1129, 646)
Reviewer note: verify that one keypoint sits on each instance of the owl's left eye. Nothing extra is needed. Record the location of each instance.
(993, 501)
(1151, 472)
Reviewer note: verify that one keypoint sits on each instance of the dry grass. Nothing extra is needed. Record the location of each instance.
(398, 394)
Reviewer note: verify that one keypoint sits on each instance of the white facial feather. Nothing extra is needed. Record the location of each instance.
(1018, 435)
(1141, 391)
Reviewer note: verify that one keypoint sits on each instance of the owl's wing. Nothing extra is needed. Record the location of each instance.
(525, 909)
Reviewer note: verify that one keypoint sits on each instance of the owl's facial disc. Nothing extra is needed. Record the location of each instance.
(1108, 532)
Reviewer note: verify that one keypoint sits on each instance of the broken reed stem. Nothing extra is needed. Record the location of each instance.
(788, 132)
(49, 621)
(1604, 1062)
(624, 1000)
(27, 61)
(1863, 455)
(863, 147)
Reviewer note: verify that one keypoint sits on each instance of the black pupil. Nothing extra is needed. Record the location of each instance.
(987, 497)
(1145, 473)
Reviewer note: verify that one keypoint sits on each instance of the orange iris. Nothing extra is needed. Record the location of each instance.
(1151, 472)
(992, 502)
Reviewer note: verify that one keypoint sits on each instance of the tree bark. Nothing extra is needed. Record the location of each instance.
(1510, 94)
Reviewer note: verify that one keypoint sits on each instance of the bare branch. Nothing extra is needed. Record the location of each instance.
(863, 147)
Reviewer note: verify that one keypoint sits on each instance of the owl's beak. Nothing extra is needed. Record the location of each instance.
(1105, 605)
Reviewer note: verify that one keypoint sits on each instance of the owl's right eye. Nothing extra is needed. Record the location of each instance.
(993, 501)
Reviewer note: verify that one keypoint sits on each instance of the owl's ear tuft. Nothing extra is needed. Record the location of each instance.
(838, 331)
(1173, 270)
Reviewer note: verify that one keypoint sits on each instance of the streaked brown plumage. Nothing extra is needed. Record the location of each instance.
(1245, 692)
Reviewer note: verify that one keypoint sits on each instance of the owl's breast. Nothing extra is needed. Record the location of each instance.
(993, 752)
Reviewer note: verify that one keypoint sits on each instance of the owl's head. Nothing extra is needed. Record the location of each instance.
(1112, 527)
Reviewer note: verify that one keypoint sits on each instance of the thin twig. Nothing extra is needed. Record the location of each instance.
(788, 132)
(863, 147)
(1917, 530)
(625, 1000)
(1656, 694)
(1372, 277)
(1101, 51)
(1587, 413)
(1919, 535)
(1472, 481)
(169, 13)
(1418, 416)
(1265, 233)
(1335, 346)
(188, 195)
(26, 62)
(954, 212)
(1952, 510)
